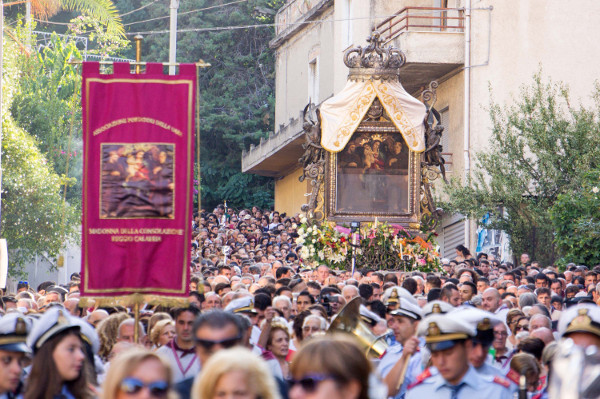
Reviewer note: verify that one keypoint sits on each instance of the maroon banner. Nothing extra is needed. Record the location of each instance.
(138, 136)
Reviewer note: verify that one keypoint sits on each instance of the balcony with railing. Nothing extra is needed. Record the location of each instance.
(432, 39)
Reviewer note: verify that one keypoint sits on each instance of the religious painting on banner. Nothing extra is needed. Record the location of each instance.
(138, 132)
(372, 174)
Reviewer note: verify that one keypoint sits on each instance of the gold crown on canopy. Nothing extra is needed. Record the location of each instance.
(374, 60)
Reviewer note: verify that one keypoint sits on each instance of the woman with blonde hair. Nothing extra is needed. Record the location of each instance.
(108, 330)
(138, 370)
(162, 333)
(155, 318)
(235, 372)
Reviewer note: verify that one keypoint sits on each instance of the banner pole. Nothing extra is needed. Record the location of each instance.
(198, 137)
(136, 307)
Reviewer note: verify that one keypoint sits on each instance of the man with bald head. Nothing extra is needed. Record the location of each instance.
(97, 316)
(71, 305)
(492, 302)
(543, 333)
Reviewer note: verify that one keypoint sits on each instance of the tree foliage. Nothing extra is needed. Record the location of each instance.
(540, 148)
(103, 11)
(576, 220)
(236, 92)
(46, 104)
(35, 220)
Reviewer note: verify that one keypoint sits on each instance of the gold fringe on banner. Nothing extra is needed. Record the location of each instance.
(131, 300)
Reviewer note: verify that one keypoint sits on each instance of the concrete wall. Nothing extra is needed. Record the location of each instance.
(558, 37)
(38, 270)
(292, 68)
(289, 193)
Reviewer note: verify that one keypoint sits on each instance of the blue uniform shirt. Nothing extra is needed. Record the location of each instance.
(391, 357)
(472, 386)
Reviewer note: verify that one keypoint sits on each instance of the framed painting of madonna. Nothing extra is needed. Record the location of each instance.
(374, 175)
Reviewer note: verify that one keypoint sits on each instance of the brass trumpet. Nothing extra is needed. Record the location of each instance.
(349, 321)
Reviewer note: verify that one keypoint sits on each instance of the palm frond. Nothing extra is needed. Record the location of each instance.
(103, 10)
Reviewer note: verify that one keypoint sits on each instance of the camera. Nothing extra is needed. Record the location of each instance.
(354, 226)
(326, 301)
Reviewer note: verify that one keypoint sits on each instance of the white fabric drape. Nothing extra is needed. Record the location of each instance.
(341, 114)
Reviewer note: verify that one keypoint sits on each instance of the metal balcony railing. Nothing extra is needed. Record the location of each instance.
(431, 19)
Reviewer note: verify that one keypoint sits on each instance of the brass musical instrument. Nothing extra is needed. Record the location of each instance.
(349, 321)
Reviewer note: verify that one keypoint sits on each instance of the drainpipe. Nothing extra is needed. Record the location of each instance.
(467, 107)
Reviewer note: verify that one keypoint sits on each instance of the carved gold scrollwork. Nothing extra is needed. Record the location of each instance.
(313, 162)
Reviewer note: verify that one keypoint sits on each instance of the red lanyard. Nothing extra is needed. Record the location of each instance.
(179, 361)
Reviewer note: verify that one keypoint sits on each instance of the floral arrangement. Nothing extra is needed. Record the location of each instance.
(377, 245)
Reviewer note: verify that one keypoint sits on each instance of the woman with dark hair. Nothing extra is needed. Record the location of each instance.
(462, 253)
(59, 368)
(512, 318)
(278, 349)
(527, 365)
(331, 367)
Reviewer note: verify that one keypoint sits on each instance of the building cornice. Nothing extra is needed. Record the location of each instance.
(294, 26)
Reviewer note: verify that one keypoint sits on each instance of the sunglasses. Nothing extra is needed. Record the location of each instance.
(132, 386)
(524, 328)
(225, 343)
(310, 382)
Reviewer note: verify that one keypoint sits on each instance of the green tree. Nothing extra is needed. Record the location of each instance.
(236, 93)
(46, 104)
(576, 220)
(35, 220)
(103, 11)
(540, 148)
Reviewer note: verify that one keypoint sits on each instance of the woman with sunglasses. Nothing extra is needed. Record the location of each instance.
(235, 372)
(512, 317)
(330, 367)
(138, 373)
(521, 329)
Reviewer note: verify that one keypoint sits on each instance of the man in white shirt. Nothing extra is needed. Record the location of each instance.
(181, 351)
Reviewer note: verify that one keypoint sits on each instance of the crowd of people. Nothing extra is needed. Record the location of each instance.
(257, 324)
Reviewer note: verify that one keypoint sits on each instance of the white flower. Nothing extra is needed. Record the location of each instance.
(300, 231)
(294, 225)
(304, 253)
(299, 241)
(309, 230)
(315, 232)
(321, 255)
(314, 241)
(303, 220)
(595, 190)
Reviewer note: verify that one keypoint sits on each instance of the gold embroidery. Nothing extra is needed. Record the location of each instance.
(396, 111)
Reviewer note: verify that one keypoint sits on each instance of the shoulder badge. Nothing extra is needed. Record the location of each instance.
(420, 378)
(513, 376)
(501, 381)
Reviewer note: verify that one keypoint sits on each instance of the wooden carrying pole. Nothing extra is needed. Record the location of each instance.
(136, 307)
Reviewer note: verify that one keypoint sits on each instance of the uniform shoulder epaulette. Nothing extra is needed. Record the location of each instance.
(513, 376)
(420, 378)
(501, 381)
